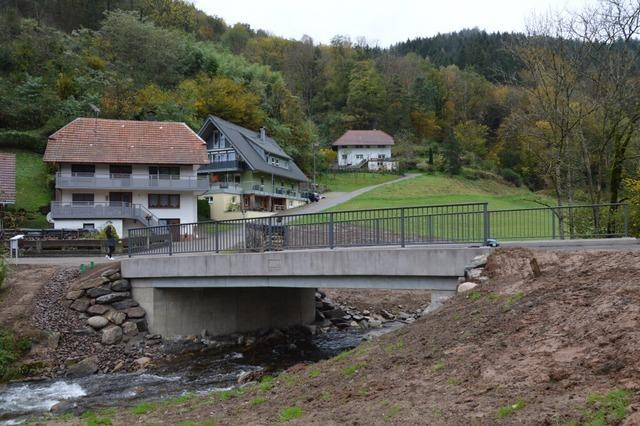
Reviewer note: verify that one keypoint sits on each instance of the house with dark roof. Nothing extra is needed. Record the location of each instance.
(7, 178)
(365, 148)
(125, 173)
(249, 173)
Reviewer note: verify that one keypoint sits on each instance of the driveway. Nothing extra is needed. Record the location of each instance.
(334, 198)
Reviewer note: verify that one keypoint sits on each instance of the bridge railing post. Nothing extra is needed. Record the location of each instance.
(216, 237)
(331, 230)
(486, 232)
(553, 223)
(169, 228)
(402, 241)
(269, 235)
(625, 208)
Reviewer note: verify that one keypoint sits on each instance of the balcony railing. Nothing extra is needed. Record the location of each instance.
(220, 166)
(107, 210)
(257, 188)
(132, 181)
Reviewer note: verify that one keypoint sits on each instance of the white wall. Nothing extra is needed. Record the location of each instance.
(353, 153)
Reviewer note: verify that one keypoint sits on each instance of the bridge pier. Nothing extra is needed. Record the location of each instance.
(187, 311)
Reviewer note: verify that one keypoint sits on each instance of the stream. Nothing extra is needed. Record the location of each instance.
(199, 373)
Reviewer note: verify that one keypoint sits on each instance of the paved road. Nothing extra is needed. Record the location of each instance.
(334, 198)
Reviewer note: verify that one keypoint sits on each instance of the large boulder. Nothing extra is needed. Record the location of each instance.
(97, 309)
(109, 272)
(97, 322)
(466, 286)
(74, 294)
(97, 292)
(125, 304)
(116, 317)
(334, 313)
(85, 367)
(121, 285)
(129, 328)
(111, 335)
(113, 297)
(137, 312)
(81, 304)
(141, 323)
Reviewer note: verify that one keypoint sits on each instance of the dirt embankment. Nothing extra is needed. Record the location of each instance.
(516, 350)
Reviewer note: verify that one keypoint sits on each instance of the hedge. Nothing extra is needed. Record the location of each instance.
(22, 140)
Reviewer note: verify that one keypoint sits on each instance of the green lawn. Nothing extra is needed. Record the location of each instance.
(439, 189)
(347, 182)
(32, 186)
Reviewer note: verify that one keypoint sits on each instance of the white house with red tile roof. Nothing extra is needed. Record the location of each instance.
(7, 178)
(125, 173)
(357, 148)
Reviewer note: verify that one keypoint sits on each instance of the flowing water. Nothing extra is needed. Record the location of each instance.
(198, 373)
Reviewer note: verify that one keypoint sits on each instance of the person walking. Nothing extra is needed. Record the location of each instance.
(111, 242)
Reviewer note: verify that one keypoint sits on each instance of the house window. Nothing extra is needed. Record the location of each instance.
(344, 156)
(164, 201)
(89, 226)
(359, 156)
(83, 169)
(81, 198)
(164, 172)
(120, 170)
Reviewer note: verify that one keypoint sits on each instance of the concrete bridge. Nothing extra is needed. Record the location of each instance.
(226, 293)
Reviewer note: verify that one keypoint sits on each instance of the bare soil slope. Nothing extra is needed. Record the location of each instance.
(519, 350)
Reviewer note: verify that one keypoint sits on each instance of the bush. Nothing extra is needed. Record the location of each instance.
(3, 270)
(102, 235)
(22, 140)
(204, 212)
(511, 176)
(11, 349)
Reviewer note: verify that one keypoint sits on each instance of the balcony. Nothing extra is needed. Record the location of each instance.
(131, 181)
(256, 188)
(222, 166)
(109, 210)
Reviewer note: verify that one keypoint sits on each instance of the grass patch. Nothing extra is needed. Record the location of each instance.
(231, 393)
(32, 186)
(344, 355)
(392, 412)
(143, 408)
(609, 408)
(259, 400)
(508, 410)
(438, 366)
(12, 348)
(290, 413)
(347, 182)
(394, 347)
(288, 379)
(475, 295)
(353, 369)
(266, 383)
(314, 373)
(513, 299)
(103, 418)
(325, 396)
(454, 381)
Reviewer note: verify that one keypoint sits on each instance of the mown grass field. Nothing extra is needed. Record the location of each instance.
(439, 189)
(32, 186)
(347, 182)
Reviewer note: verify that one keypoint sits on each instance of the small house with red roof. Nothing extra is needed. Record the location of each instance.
(370, 149)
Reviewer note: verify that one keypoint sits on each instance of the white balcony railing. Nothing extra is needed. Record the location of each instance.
(107, 210)
(132, 181)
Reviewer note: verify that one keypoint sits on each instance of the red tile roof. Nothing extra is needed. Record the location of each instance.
(7, 178)
(90, 140)
(364, 137)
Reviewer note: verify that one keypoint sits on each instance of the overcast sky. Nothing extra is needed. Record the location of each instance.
(385, 22)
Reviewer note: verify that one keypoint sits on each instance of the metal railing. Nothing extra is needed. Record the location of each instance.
(437, 224)
(453, 223)
(106, 210)
(131, 181)
(256, 187)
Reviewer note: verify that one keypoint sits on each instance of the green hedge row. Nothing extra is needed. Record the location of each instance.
(22, 140)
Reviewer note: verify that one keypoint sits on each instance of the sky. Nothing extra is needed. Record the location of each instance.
(380, 22)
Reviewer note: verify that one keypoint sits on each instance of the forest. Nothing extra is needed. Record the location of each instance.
(555, 108)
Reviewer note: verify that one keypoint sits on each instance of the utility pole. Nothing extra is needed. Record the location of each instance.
(314, 146)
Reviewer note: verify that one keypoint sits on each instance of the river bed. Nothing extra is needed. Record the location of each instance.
(199, 373)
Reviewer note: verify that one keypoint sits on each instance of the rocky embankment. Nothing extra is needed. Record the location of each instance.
(93, 325)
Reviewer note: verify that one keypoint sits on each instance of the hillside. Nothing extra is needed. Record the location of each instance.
(557, 349)
(32, 184)
(442, 189)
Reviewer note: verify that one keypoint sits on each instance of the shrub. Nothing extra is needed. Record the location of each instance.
(3, 270)
(22, 140)
(204, 212)
(11, 349)
(511, 176)
(290, 413)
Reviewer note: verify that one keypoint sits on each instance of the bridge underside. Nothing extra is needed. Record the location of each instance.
(183, 295)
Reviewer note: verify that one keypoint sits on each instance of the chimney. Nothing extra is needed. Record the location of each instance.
(263, 134)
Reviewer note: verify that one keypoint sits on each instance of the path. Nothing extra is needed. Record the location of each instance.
(335, 198)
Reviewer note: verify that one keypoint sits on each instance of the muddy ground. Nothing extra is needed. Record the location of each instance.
(517, 350)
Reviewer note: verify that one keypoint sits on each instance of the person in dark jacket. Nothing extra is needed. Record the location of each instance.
(111, 242)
